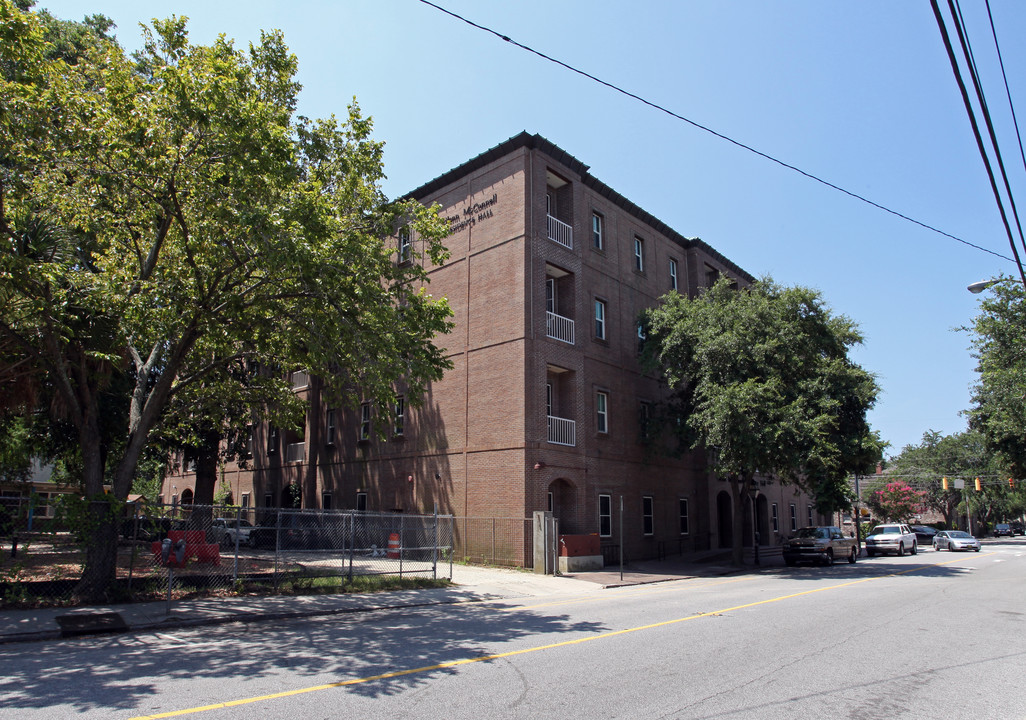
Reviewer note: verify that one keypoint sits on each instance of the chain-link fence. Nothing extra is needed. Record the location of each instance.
(180, 550)
(495, 541)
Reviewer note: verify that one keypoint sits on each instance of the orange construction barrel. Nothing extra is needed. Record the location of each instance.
(393, 546)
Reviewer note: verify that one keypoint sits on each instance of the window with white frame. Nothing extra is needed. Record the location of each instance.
(405, 245)
(550, 294)
(400, 415)
(329, 427)
(605, 515)
(365, 421)
(602, 411)
(683, 511)
(639, 254)
(268, 499)
(597, 223)
(774, 518)
(647, 515)
(600, 319)
(673, 274)
(809, 508)
(272, 441)
(794, 518)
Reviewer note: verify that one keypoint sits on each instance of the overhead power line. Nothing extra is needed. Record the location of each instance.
(714, 133)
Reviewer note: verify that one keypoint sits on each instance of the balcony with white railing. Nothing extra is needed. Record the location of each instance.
(295, 452)
(560, 232)
(559, 327)
(562, 431)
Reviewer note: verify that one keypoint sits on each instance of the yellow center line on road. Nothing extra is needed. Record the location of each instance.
(524, 651)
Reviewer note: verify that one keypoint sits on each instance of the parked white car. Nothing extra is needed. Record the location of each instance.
(955, 540)
(224, 530)
(896, 538)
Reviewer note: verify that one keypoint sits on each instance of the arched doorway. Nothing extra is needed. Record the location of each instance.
(762, 519)
(187, 496)
(724, 519)
(562, 501)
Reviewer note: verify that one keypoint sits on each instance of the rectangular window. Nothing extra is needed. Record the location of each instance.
(329, 428)
(600, 319)
(300, 379)
(639, 254)
(596, 231)
(326, 501)
(272, 441)
(641, 338)
(602, 412)
(247, 442)
(268, 499)
(361, 502)
(647, 515)
(684, 528)
(245, 500)
(550, 294)
(810, 516)
(550, 503)
(405, 245)
(644, 416)
(400, 415)
(794, 518)
(605, 516)
(775, 518)
(548, 399)
(673, 274)
(365, 421)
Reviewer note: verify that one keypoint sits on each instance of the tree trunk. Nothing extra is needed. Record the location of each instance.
(739, 493)
(99, 528)
(313, 443)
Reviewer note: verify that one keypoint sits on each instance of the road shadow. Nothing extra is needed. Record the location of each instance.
(126, 673)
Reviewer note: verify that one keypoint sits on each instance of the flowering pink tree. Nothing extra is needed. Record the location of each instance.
(896, 502)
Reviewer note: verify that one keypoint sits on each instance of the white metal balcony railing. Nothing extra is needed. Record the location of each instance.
(559, 327)
(295, 452)
(560, 232)
(562, 431)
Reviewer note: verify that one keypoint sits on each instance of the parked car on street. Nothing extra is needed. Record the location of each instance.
(224, 530)
(896, 538)
(1017, 527)
(1003, 529)
(955, 540)
(924, 534)
(820, 544)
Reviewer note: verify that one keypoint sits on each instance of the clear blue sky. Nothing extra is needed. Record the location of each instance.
(858, 93)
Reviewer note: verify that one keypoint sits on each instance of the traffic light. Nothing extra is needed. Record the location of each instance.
(944, 484)
(977, 484)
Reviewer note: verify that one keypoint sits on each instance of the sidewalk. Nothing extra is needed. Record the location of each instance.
(470, 584)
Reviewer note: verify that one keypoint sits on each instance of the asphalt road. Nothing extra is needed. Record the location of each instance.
(937, 635)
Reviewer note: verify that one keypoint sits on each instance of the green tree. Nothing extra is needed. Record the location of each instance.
(999, 342)
(960, 455)
(194, 221)
(762, 376)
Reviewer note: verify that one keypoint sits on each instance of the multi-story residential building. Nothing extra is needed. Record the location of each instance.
(546, 405)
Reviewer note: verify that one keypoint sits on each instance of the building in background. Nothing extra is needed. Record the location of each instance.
(546, 407)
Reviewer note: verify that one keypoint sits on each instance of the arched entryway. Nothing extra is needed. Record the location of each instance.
(762, 519)
(724, 519)
(187, 496)
(562, 501)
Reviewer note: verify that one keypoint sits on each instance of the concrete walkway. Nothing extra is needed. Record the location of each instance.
(470, 584)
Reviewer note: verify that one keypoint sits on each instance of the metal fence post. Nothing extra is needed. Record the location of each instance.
(434, 551)
(277, 549)
(238, 532)
(402, 542)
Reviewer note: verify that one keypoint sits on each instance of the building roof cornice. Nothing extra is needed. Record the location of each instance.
(526, 140)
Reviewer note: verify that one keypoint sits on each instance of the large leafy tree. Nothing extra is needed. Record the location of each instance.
(960, 455)
(168, 215)
(896, 501)
(999, 396)
(762, 376)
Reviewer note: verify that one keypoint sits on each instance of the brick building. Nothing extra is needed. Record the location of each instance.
(546, 403)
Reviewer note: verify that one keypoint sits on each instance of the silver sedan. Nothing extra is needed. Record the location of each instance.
(955, 540)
